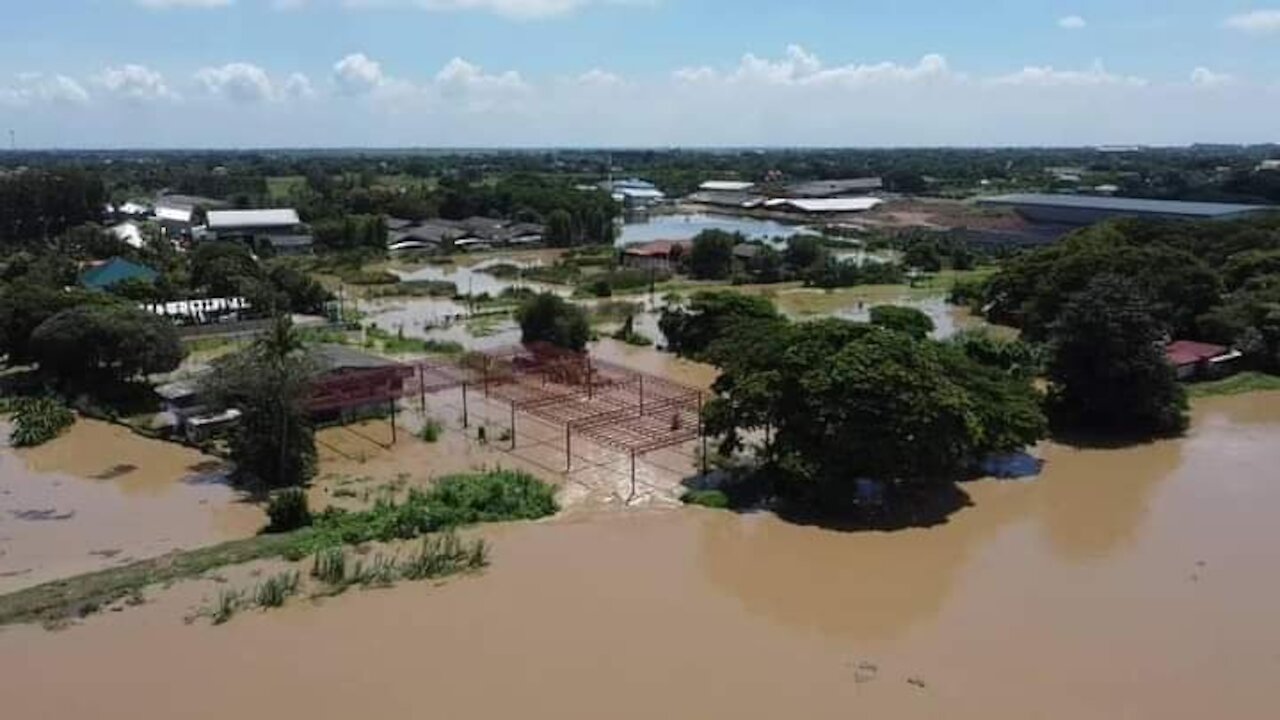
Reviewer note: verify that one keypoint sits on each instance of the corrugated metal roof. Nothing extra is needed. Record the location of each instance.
(1124, 205)
(173, 214)
(826, 205)
(726, 186)
(230, 219)
(831, 188)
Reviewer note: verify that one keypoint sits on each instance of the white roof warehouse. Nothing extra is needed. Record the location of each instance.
(250, 219)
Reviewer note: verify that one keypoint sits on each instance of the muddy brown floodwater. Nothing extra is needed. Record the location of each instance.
(100, 496)
(1136, 583)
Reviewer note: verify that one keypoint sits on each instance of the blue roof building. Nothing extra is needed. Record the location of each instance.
(106, 274)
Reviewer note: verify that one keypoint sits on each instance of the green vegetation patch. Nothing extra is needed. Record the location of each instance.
(37, 420)
(1246, 382)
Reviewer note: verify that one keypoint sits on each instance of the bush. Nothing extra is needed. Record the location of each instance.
(288, 510)
(715, 499)
(431, 430)
(490, 497)
(39, 420)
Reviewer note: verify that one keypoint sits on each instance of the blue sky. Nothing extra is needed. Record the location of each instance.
(215, 73)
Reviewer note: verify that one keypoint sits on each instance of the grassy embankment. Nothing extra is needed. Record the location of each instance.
(452, 502)
(1246, 382)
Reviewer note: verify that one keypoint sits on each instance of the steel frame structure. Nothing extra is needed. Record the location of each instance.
(618, 408)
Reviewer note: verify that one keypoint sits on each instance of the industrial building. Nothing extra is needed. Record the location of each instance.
(280, 228)
(1081, 210)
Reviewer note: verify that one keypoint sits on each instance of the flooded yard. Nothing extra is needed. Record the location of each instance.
(100, 496)
(1132, 583)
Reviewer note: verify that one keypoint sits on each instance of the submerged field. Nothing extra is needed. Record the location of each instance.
(1122, 581)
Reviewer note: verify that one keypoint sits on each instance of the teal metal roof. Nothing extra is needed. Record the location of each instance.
(117, 269)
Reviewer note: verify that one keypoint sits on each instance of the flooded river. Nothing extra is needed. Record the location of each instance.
(1135, 583)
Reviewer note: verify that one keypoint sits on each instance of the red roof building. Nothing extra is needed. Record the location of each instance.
(1194, 359)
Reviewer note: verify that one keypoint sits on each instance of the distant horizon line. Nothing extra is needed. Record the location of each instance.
(1124, 147)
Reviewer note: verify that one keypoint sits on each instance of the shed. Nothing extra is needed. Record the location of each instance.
(1196, 360)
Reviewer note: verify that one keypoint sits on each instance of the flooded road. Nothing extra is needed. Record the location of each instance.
(1136, 583)
(100, 495)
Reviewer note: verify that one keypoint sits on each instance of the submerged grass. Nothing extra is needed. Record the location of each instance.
(454, 501)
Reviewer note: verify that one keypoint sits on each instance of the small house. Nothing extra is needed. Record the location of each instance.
(656, 255)
(1201, 361)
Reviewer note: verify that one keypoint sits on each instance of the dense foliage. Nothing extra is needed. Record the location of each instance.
(547, 317)
(37, 420)
(1108, 367)
(842, 402)
(711, 257)
(273, 443)
(691, 329)
(121, 342)
(910, 321)
(288, 510)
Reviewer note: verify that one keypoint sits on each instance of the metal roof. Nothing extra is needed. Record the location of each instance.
(231, 219)
(1124, 205)
(832, 188)
(826, 205)
(726, 185)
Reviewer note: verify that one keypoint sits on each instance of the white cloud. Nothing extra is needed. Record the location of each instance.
(356, 74)
(695, 74)
(800, 67)
(31, 88)
(596, 77)
(238, 81)
(1258, 21)
(1072, 22)
(1047, 76)
(787, 98)
(136, 83)
(167, 4)
(299, 86)
(1204, 77)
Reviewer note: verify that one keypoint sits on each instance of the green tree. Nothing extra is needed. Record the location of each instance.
(80, 343)
(712, 255)
(560, 229)
(547, 317)
(24, 306)
(220, 267)
(269, 382)
(910, 321)
(845, 402)
(1108, 370)
(691, 330)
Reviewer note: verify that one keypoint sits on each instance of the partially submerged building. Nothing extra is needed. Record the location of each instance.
(656, 255)
(1201, 361)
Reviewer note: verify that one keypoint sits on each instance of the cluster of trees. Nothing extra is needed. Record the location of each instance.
(39, 204)
(804, 258)
(838, 403)
(1217, 282)
(547, 317)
